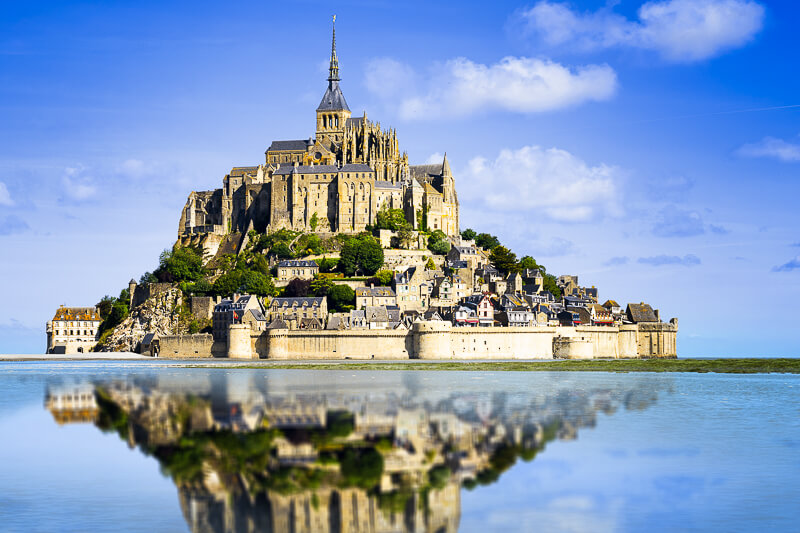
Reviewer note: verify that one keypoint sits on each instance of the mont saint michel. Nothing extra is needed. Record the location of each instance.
(335, 247)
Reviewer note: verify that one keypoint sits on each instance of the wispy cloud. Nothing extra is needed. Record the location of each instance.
(76, 185)
(673, 221)
(678, 30)
(772, 148)
(794, 264)
(666, 260)
(617, 261)
(460, 87)
(5, 196)
(549, 182)
(12, 224)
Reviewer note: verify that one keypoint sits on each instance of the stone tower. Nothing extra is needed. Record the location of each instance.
(332, 113)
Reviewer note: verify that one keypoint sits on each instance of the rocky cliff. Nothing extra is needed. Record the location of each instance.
(159, 314)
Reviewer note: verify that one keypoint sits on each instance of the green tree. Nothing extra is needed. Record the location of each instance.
(341, 298)
(438, 476)
(327, 265)
(298, 288)
(438, 243)
(104, 306)
(528, 262)
(486, 241)
(468, 234)
(180, 264)
(361, 254)
(385, 277)
(405, 237)
(391, 219)
(254, 282)
(503, 258)
(314, 222)
(551, 285)
(430, 265)
(281, 250)
(321, 285)
(228, 283)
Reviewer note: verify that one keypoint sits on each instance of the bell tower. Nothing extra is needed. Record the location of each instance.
(332, 113)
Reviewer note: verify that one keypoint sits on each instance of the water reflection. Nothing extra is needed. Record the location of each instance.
(287, 453)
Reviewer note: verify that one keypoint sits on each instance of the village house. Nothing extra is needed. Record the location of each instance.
(370, 296)
(295, 268)
(483, 307)
(600, 316)
(256, 319)
(467, 254)
(73, 330)
(293, 309)
(231, 311)
(412, 289)
(641, 312)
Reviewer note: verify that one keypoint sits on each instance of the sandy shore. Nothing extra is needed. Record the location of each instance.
(92, 356)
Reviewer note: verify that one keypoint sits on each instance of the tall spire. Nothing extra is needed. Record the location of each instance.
(334, 68)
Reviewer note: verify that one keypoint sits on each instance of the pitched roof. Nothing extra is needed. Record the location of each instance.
(241, 171)
(356, 167)
(278, 324)
(297, 263)
(374, 291)
(297, 301)
(425, 171)
(641, 312)
(333, 99)
(376, 313)
(292, 146)
(77, 313)
(380, 184)
(611, 303)
(430, 190)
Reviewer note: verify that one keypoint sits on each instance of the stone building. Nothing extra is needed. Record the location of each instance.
(336, 181)
(73, 330)
(297, 268)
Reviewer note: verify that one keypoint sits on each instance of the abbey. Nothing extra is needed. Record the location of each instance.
(336, 181)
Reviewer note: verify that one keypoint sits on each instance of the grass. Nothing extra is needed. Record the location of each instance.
(724, 366)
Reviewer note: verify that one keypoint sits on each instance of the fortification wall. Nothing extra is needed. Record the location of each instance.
(198, 345)
(433, 340)
(143, 291)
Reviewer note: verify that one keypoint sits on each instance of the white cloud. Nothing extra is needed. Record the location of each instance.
(772, 147)
(77, 186)
(460, 87)
(679, 30)
(434, 158)
(5, 196)
(551, 183)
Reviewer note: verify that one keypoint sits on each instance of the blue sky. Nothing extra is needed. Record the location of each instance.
(651, 148)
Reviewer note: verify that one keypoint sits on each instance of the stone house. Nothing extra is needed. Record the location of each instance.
(514, 283)
(366, 296)
(413, 289)
(255, 319)
(569, 318)
(516, 317)
(613, 307)
(483, 307)
(295, 268)
(294, 309)
(600, 316)
(232, 311)
(73, 330)
(377, 317)
(358, 319)
(467, 254)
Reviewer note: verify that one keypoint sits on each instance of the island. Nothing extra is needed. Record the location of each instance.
(335, 247)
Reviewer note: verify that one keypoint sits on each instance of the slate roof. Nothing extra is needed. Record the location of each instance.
(241, 171)
(376, 313)
(296, 301)
(425, 171)
(355, 167)
(465, 250)
(278, 324)
(297, 263)
(257, 314)
(374, 291)
(641, 312)
(380, 184)
(333, 99)
(77, 313)
(292, 146)
(611, 303)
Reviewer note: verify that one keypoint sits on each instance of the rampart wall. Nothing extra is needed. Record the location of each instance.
(434, 340)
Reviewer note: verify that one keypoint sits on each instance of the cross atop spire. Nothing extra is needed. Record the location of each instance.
(334, 68)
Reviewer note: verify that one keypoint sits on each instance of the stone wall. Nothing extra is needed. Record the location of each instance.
(198, 345)
(433, 340)
(143, 291)
(203, 306)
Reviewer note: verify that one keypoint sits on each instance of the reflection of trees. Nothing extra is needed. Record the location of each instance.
(340, 462)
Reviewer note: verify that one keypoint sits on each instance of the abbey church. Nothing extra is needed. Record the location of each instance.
(336, 181)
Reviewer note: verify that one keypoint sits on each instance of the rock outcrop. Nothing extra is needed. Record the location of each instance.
(159, 314)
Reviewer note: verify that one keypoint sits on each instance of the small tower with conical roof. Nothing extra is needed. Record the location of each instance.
(332, 113)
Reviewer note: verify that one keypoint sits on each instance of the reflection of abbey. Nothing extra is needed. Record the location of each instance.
(260, 452)
(336, 181)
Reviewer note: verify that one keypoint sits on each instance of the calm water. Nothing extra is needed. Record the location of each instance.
(128, 447)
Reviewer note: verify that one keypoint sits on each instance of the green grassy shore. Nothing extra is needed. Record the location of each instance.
(724, 366)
